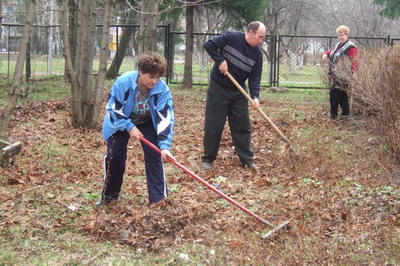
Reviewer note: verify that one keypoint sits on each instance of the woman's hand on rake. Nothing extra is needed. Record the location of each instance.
(166, 153)
(135, 133)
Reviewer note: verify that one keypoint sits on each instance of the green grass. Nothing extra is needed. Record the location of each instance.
(296, 95)
(55, 88)
(66, 248)
(68, 245)
(307, 76)
(40, 68)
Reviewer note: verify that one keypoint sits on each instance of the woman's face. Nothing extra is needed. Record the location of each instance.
(147, 81)
(342, 37)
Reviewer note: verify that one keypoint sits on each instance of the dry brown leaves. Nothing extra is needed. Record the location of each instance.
(315, 188)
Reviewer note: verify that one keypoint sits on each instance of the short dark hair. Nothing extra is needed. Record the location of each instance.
(152, 63)
(253, 26)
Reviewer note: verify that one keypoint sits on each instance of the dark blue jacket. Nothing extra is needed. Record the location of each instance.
(244, 61)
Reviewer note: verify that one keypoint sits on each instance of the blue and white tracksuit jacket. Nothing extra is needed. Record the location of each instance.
(121, 102)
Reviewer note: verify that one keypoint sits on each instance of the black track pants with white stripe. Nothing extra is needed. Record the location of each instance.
(115, 162)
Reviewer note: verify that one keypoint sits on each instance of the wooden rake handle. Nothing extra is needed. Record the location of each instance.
(258, 108)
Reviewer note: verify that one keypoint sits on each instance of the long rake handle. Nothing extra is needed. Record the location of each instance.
(151, 145)
(258, 108)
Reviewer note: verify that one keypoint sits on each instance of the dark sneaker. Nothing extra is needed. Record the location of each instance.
(344, 117)
(106, 203)
(253, 169)
(206, 166)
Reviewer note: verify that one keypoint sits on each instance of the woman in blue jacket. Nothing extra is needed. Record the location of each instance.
(139, 104)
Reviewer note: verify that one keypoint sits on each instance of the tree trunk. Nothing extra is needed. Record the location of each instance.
(188, 71)
(151, 29)
(148, 25)
(99, 88)
(87, 53)
(174, 26)
(142, 25)
(75, 103)
(86, 101)
(19, 70)
(1, 17)
(28, 66)
(28, 71)
(72, 31)
(113, 70)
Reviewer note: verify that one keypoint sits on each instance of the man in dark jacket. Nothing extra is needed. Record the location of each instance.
(238, 53)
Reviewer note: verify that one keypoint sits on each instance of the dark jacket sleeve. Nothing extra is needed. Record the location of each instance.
(213, 46)
(255, 78)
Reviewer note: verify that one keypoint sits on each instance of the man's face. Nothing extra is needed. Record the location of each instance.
(256, 38)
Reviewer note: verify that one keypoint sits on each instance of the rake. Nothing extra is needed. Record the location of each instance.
(258, 108)
(230, 200)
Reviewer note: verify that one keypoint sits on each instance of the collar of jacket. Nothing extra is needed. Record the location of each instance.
(338, 52)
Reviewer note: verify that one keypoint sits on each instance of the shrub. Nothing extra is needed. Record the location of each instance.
(376, 92)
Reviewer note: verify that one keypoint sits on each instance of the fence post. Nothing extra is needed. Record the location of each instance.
(28, 66)
(278, 55)
(8, 53)
(117, 43)
(170, 56)
(166, 30)
(272, 61)
(50, 55)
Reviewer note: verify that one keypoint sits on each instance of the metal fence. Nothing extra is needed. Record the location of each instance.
(395, 41)
(289, 61)
(299, 58)
(43, 59)
(45, 52)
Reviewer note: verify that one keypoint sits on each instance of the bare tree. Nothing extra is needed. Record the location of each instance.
(188, 70)
(172, 18)
(101, 76)
(1, 17)
(210, 24)
(362, 16)
(292, 18)
(148, 25)
(192, 5)
(123, 45)
(18, 74)
(72, 29)
(85, 102)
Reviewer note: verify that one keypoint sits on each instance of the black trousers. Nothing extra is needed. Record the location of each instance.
(221, 103)
(115, 161)
(338, 97)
